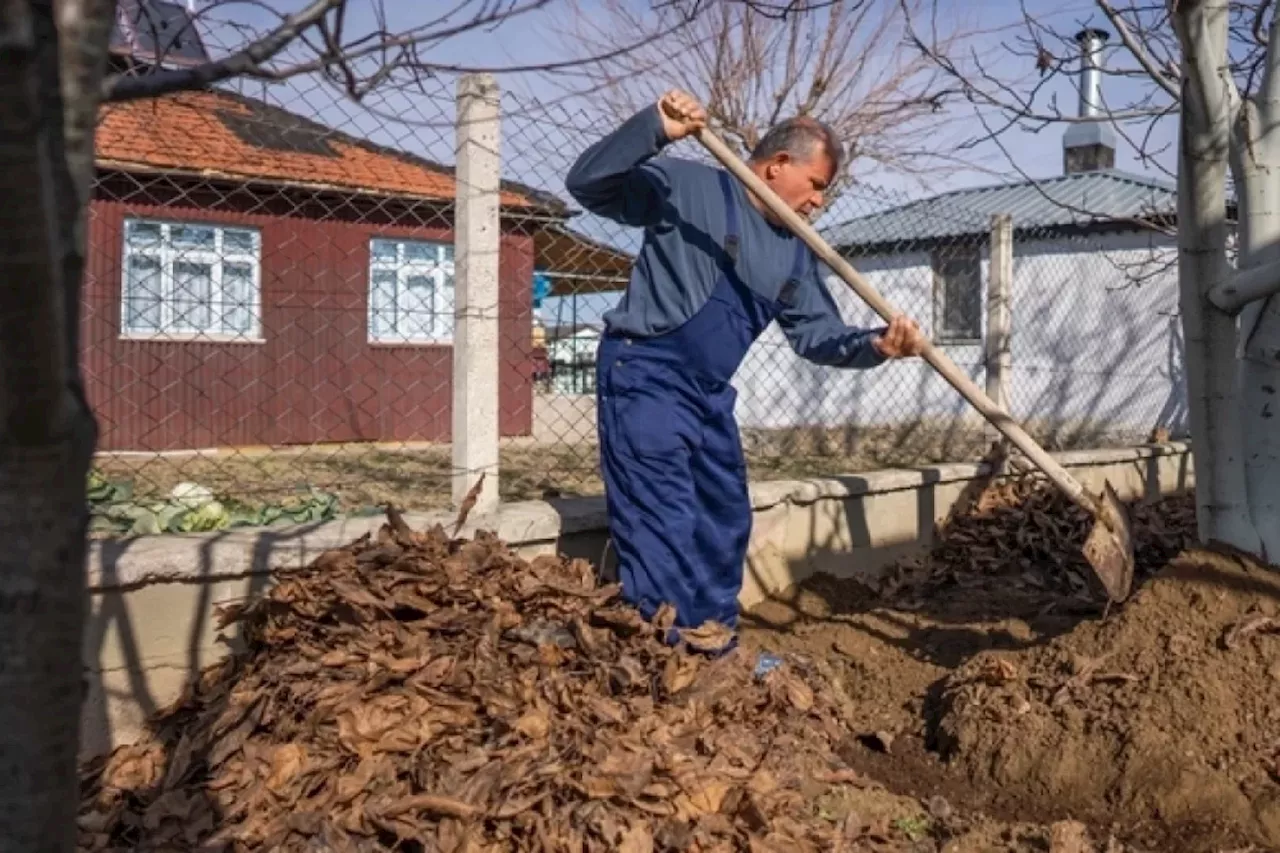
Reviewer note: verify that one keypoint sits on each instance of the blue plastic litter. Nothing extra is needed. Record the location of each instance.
(541, 288)
(766, 663)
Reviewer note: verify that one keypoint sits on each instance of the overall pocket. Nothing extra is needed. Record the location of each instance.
(649, 408)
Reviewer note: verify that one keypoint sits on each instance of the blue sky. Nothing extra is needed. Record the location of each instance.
(544, 128)
(537, 37)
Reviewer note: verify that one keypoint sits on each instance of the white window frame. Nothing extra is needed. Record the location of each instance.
(172, 328)
(438, 328)
(938, 258)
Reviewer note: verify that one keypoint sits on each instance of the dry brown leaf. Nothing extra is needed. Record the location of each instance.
(623, 621)
(679, 672)
(228, 613)
(534, 724)
(708, 637)
(606, 710)
(397, 692)
(468, 504)
(637, 839)
(997, 671)
(287, 761)
(350, 593)
(704, 793)
(337, 560)
(516, 807)
(665, 617)
(762, 783)
(788, 688)
(430, 804)
(133, 767)
(403, 532)
(622, 772)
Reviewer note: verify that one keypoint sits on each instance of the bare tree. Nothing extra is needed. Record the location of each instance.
(53, 79)
(1214, 66)
(48, 99)
(844, 61)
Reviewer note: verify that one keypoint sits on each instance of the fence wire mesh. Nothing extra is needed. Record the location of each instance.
(1094, 352)
(269, 315)
(268, 308)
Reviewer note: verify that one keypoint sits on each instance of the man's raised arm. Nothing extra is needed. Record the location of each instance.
(617, 178)
(610, 178)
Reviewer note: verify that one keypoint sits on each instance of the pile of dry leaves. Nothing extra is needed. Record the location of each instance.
(419, 692)
(1021, 534)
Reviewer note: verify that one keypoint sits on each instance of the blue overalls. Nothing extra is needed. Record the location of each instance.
(674, 471)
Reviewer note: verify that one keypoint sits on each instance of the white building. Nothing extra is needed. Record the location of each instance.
(1096, 339)
(571, 357)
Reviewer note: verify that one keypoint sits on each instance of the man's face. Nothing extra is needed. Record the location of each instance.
(800, 183)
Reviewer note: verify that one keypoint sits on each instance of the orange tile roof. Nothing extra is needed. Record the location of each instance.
(220, 134)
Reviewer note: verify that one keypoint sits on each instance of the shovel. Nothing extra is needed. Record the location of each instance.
(1109, 547)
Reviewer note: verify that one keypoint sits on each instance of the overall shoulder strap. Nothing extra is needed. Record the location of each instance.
(730, 215)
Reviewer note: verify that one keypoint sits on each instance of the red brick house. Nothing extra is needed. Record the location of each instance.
(256, 278)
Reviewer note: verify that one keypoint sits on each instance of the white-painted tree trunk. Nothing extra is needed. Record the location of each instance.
(1260, 413)
(1256, 166)
(1209, 102)
(1258, 180)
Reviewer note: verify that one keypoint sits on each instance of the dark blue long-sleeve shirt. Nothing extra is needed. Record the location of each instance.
(680, 205)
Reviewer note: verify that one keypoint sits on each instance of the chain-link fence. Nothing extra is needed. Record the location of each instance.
(269, 315)
(1092, 351)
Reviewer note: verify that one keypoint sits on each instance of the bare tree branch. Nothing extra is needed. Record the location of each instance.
(1259, 32)
(389, 51)
(246, 62)
(987, 90)
(1247, 286)
(843, 61)
(1159, 76)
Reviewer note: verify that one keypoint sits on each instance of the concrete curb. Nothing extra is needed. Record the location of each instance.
(204, 557)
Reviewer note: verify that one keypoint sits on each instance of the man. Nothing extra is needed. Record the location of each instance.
(714, 270)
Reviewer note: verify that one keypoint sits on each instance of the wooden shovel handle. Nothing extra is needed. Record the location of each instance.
(957, 378)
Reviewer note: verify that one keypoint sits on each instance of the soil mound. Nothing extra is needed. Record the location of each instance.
(1167, 710)
(418, 692)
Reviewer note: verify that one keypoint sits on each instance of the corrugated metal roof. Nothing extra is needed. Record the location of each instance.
(1087, 198)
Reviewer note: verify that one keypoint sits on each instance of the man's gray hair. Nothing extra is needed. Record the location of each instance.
(799, 137)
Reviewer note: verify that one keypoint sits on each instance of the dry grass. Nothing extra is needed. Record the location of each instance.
(417, 478)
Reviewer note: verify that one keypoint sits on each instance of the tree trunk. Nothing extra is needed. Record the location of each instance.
(1259, 366)
(1208, 103)
(47, 431)
(1260, 411)
(1256, 164)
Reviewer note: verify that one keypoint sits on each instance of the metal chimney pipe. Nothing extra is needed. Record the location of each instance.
(1091, 41)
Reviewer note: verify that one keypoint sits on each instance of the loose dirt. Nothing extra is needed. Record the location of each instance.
(984, 675)
(423, 693)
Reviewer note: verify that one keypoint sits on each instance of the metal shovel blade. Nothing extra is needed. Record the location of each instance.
(1109, 547)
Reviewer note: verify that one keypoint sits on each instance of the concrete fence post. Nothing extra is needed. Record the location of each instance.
(477, 241)
(999, 313)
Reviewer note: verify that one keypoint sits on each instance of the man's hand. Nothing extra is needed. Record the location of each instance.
(681, 115)
(902, 339)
